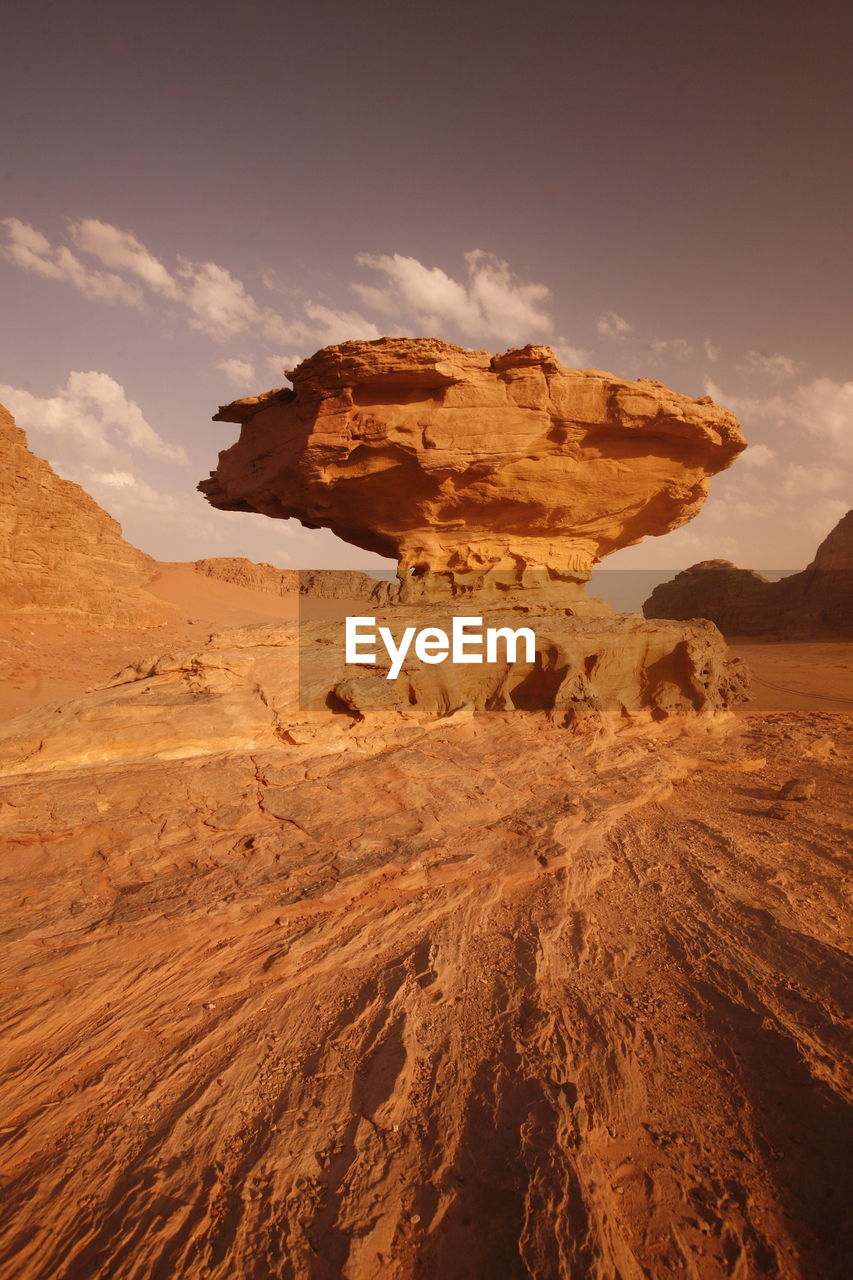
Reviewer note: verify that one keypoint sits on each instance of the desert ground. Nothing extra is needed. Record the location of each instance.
(489, 998)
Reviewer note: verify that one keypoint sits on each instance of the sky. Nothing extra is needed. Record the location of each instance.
(195, 196)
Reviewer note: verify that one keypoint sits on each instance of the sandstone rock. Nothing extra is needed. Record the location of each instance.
(483, 975)
(798, 789)
(322, 584)
(835, 553)
(60, 553)
(739, 601)
(254, 688)
(816, 602)
(461, 464)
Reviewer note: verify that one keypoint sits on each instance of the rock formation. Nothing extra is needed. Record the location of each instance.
(816, 602)
(255, 688)
(481, 998)
(325, 584)
(60, 553)
(461, 464)
(63, 557)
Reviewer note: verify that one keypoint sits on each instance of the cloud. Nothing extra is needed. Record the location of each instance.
(330, 326)
(800, 480)
(825, 409)
(569, 356)
(757, 455)
(218, 302)
(822, 407)
(277, 366)
(89, 419)
(492, 303)
(115, 479)
(28, 248)
(775, 366)
(214, 301)
(669, 348)
(712, 352)
(123, 252)
(238, 372)
(612, 325)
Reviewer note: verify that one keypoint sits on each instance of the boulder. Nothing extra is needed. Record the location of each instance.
(471, 469)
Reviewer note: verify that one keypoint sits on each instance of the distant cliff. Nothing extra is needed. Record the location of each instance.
(815, 602)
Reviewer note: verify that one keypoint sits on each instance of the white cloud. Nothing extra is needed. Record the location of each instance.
(800, 480)
(775, 366)
(277, 366)
(669, 348)
(612, 325)
(569, 356)
(825, 409)
(493, 303)
(330, 326)
(218, 303)
(240, 373)
(29, 249)
(123, 252)
(114, 479)
(822, 407)
(88, 419)
(712, 352)
(757, 455)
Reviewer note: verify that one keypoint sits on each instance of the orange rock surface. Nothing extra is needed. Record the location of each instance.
(459, 462)
(60, 552)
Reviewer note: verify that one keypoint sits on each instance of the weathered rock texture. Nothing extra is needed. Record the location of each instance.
(60, 553)
(459, 463)
(817, 602)
(326, 584)
(494, 1001)
(253, 688)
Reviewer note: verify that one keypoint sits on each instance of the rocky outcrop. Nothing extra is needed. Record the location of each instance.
(739, 601)
(60, 553)
(321, 584)
(255, 688)
(818, 602)
(463, 465)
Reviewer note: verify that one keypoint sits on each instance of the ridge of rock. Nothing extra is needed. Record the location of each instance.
(59, 551)
(812, 603)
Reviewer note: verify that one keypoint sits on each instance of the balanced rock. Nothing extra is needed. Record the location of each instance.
(60, 553)
(463, 465)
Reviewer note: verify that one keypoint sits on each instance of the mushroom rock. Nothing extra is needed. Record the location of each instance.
(475, 471)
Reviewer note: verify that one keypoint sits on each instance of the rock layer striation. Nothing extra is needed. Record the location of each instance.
(816, 602)
(60, 553)
(461, 464)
